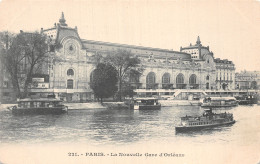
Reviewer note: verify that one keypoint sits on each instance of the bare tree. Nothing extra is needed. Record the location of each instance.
(23, 55)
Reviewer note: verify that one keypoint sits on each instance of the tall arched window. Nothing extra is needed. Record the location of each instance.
(150, 78)
(192, 79)
(207, 85)
(70, 84)
(70, 72)
(180, 79)
(192, 82)
(150, 81)
(207, 78)
(166, 78)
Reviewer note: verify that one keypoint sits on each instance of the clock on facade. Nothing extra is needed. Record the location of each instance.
(71, 48)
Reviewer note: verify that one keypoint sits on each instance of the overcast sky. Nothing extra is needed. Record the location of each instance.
(230, 29)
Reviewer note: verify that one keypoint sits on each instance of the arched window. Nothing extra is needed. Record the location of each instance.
(207, 85)
(150, 78)
(166, 78)
(150, 81)
(180, 79)
(70, 84)
(70, 72)
(207, 78)
(192, 79)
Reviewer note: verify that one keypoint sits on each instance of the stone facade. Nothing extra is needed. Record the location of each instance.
(71, 63)
(247, 80)
(225, 74)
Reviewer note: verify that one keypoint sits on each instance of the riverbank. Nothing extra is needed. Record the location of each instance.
(115, 105)
(71, 106)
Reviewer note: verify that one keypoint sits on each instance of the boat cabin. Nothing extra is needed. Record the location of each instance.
(146, 101)
(219, 102)
(39, 103)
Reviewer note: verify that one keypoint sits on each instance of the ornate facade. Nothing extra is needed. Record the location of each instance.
(247, 80)
(225, 74)
(71, 63)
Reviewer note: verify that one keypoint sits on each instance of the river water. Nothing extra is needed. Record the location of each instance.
(100, 127)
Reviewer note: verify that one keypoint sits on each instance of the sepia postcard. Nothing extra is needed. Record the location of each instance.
(127, 81)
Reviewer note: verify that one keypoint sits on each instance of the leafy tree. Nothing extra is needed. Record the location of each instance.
(126, 64)
(127, 90)
(104, 80)
(23, 56)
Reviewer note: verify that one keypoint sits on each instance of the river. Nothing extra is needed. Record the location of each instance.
(103, 127)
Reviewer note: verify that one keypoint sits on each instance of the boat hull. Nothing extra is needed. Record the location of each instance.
(150, 107)
(217, 106)
(246, 102)
(199, 127)
(22, 111)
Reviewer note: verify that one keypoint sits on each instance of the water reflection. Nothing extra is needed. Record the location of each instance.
(101, 126)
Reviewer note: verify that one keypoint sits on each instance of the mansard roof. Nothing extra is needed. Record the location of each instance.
(196, 46)
(131, 46)
(225, 61)
(65, 32)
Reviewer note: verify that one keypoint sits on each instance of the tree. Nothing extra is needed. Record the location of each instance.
(126, 64)
(23, 55)
(104, 80)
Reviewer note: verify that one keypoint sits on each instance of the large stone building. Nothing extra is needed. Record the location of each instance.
(72, 59)
(247, 80)
(221, 74)
(225, 74)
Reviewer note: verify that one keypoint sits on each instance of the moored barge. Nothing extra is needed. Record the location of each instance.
(217, 102)
(145, 103)
(39, 106)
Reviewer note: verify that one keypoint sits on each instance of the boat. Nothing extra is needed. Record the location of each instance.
(145, 103)
(207, 120)
(39, 106)
(217, 102)
(246, 99)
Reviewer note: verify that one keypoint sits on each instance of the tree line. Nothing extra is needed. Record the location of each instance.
(24, 54)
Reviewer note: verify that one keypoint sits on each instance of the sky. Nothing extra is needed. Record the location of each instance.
(229, 28)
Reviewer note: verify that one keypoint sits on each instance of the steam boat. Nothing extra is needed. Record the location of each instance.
(217, 102)
(39, 106)
(146, 103)
(246, 99)
(208, 119)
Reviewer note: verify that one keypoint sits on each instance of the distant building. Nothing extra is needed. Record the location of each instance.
(247, 80)
(71, 63)
(220, 73)
(225, 74)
